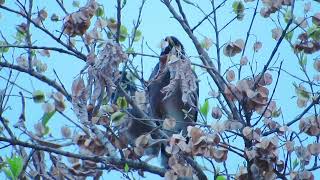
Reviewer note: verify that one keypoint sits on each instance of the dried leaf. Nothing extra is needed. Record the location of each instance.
(257, 46)
(169, 123)
(143, 140)
(207, 43)
(216, 113)
(230, 75)
(65, 131)
(276, 33)
(243, 61)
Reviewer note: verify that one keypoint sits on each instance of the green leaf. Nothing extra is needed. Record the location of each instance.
(301, 92)
(20, 36)
(117, 117)
(137, 36)
(238, 7)
(16, 164)
(46, 130)
(38, 96)
(3, 49)
(295, 163)
(124, 2)
(130, 50)
(220, 178)
(289, 36)
(126, 168)
(100, 11)
(33, 53)
(46, 117)
(76, 4)
(276, 113)
(123, 33)
(287, 15)
(303, 61)
(314, 33)
(122, 102)
(204, 109)
(8, 173)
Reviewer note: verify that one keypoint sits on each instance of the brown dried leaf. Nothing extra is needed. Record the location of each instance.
(230, 75)
(78, 88)
(257, 46)
(45, 53)
(276, 33)
(302, 22)
(314, 148)
(247, 132)
(65, 131)
(78, 22)
(243, 61)
(169, 123)
(233, 48)
(316, 19)
(216, 113)
(220, 154)
(170, 175)
(218, 126)
(143, 140)
(307, 7)
(316, 65)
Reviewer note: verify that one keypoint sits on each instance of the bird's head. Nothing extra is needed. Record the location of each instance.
(167, 45)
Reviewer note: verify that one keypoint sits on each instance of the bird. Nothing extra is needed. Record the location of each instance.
(161, 106)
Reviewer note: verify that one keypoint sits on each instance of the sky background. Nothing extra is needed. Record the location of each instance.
(157, 23)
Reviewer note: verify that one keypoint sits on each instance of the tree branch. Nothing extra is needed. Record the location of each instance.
(104, 160)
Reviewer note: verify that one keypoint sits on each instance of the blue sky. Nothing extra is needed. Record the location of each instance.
(157, 23)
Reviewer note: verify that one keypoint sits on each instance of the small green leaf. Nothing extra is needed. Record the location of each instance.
(8, 173)
(33, 53)
(301, 92)
(124, 2)
(38, 96)
(295, 163)
(122, 102)
(20, 36)
(314, 32)
(117, 117)
(76, 4)
(276, 113)
(100, 11)
(220, 178)
(126, 168)
(289, 36)
(238, 9)
(130, 50)
(204, 109)
(123, 33)
(16, 164)
(137, 36)
(287, 15)
(3, 49)
(107, 108)
(303, 61)
(46, 117)
(46, 130)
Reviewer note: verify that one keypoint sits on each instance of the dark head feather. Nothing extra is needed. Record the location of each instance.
(173, 42)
